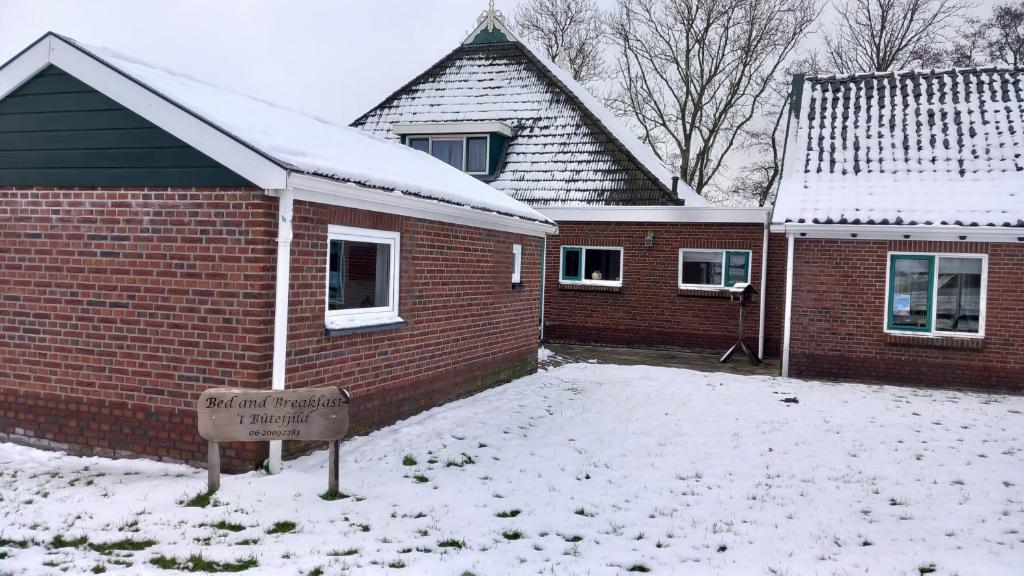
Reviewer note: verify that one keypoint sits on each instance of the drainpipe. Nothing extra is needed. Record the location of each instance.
(543, 274)
(282, 280)
(764, 284)
(789, 303)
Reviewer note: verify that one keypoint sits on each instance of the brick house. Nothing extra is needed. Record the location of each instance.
(160, 236)
(640, 258)
(901, 215)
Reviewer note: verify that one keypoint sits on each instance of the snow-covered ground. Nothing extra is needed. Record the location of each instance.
(583, 469)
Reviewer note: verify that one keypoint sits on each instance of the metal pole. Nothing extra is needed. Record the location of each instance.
(787, 327)
(282, 280)
(212, 467)
(332, 468)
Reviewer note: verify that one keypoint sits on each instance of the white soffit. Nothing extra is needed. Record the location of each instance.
(453, 128)
(681, 214)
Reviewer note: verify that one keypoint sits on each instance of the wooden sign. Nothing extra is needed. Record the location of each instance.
(245, 415)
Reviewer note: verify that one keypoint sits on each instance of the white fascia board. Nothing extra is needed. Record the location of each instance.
(896, 232)
(25, 66)
(453, 128)
(145, 102)
(332, 192)
(680, 214)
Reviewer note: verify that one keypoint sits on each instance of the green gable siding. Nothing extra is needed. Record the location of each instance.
(57, 131)
(485, 36)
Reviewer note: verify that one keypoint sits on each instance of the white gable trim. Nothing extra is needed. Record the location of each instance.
(145, 102)
(325, 191)
(452, 128)
(895, 232)
(684, 214)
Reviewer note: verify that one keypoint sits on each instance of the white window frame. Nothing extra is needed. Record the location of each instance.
(725, 268)
(933, 333)
(358, 317)
(430, 138)
(517, 263)
(583, 259)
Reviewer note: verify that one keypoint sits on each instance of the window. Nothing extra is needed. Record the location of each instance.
(936, 294)
(713, 268)
(592, 265)
(362, 277)
(517, 263)
(467, 153)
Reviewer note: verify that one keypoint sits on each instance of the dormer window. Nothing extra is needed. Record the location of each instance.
(473, 147)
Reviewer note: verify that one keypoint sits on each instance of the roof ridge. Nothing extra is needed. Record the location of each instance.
(835, 76)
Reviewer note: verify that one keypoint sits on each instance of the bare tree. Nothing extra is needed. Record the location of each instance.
(998, 39)
(758, 179)
(694, 74)
(883, 35)
(570, 32)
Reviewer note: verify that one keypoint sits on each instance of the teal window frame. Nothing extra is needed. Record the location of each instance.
(581, 278)
(933, 272)
(727, 280)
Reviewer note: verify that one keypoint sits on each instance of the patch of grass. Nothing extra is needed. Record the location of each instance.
(248, 542)
(452, 543)
(466, 459)
(123, 544)
(346, 552)
(408, 460)
(229, 526)
(926, 568)
(3, 554)
(282, 527)
(638, 568)
(722, 548)
(59, 541)
(363, 527)
(583, 512)
(8, 543)
(98, 569)
(198, 563)
(508, 513)
(867, 542)
(332, 496)
(421, 478)
(512, 535)
(318, 571)
(201, 500)
(396, 564)
(896, 502)
(573, 538)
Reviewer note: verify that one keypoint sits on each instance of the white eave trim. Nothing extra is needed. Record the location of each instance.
(145, 102)
(326, 191)
(453, 128)
(681, 214)
(903, 232)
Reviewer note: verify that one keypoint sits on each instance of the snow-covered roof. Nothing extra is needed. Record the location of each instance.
(567, 148)
(299, 142)
(910, 148)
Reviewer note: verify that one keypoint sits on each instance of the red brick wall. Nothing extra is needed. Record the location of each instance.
(839, 310)
(649, 310)
(117, 308)
(466, 328)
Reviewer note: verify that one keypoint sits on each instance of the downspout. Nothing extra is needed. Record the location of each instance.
(764, 285)
(790, 239)
(282, 280)
(543, 275)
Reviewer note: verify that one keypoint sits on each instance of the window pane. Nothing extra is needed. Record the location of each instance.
(476, 154)
(359, 275)
(738, 267)
(571, 264)
(421, 144)
(602, 265)
(448, 151)
(909, 303)
(703, 268)
(958, 308)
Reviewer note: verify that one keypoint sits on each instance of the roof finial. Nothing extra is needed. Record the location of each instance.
(491, 18)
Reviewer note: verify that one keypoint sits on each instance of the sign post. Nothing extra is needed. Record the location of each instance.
(243, 415)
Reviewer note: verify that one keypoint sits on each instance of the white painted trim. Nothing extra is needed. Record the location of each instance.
(788, 323)
(25, 66)
(723, 251)
(517, 263)
(933, 333)
(169, 116)
(583, 258)
(282, 281)
(904, 232)
(681, 214)
(764, 290)
(357, 317)
(326, 191)
(452, 128)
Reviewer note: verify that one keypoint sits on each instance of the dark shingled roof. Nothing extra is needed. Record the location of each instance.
(922, 147)
(560, 152)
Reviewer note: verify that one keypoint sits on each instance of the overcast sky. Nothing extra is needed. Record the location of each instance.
(333, 58)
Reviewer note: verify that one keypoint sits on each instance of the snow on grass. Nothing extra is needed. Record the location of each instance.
(582, 469)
